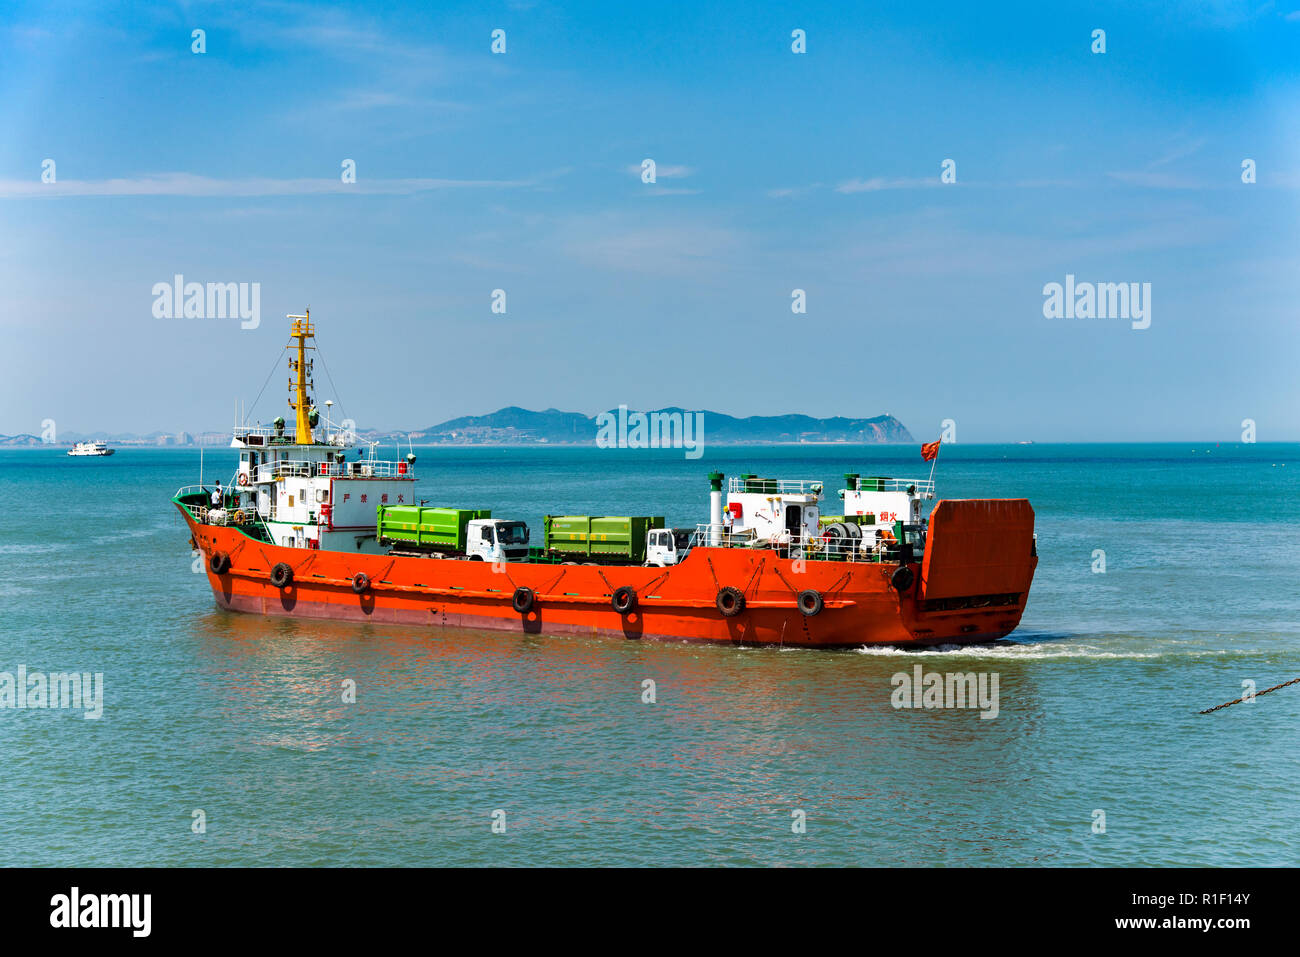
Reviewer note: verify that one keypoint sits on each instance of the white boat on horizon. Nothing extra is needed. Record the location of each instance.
(91, 448)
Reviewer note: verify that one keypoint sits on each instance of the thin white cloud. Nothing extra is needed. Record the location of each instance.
(1155, 179)
(662, 171)
(188, 184)
(623, 244)
(1177, 153)
(788, 192)
(877, 183)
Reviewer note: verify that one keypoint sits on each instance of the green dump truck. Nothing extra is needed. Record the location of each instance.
(426, 529)
(469, 532)
(615, 540)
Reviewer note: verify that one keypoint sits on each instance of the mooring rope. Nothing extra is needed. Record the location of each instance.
(1256, 695)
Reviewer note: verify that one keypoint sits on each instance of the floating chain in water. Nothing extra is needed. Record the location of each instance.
(1257, 694)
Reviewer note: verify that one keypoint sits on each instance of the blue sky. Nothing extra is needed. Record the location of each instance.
(777, 171)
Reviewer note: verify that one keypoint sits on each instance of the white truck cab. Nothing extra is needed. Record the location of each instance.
(496, 540)
(666, 546)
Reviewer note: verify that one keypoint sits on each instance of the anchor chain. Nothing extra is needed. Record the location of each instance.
(1243, 698)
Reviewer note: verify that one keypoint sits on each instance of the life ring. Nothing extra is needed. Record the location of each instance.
(810, 602)
(243, 478)
(360, 583)
(281, 576)
(218, 563)
(624, 599)
(238, 517)
(730, 601)
(522, 600)
(902, 578)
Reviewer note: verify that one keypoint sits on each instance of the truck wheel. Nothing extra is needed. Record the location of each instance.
(523, 600)
(624, 599)
(219, 563)
(281, 576)
(360, 583)
(730, 601)
(902, 578)
(810, 602)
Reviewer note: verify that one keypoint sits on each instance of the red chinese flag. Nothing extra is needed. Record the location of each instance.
(930, 451)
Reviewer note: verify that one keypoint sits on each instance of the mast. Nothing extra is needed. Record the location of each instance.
(301, 330)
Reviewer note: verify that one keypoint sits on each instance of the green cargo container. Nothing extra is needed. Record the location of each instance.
(427, 529)
(600, 537)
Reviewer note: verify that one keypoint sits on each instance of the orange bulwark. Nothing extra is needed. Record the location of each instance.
(971, 586)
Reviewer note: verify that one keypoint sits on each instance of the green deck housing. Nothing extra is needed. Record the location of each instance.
(428, 529)
(599, 537)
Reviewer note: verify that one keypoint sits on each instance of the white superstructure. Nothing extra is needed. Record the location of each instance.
(322, 495)
(771, 510)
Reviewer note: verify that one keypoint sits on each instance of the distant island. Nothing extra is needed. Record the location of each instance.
(517, 426)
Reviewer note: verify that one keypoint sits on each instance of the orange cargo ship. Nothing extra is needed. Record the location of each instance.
(296, 534)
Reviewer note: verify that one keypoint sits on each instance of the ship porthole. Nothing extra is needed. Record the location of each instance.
(810, 602)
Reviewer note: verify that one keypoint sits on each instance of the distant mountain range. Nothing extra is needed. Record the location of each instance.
(516, 426)
(554, 427)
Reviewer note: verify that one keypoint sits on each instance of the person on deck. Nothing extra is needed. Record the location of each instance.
(216, 495)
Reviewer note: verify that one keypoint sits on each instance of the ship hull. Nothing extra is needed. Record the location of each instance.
(968, 604)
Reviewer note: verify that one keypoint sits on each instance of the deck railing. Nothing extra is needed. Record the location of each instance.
(921, 487)
(739, 484)
(202, 511)
(819, 547)
(266, 436)
(363, 468)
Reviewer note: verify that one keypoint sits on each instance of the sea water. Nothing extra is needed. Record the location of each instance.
(1167, 578)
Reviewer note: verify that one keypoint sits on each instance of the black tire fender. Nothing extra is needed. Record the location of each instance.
(624, 599)
(218, 563)
(810, 602)
(281, 576)
(523, 599)
(361, 583)
(903, 578)
(730, 601)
